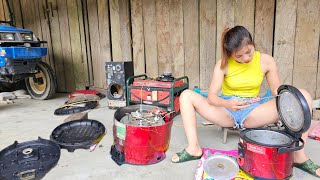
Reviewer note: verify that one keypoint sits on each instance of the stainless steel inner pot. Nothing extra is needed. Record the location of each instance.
(268, 137)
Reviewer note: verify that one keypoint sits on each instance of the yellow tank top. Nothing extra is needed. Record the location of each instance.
(243, 79)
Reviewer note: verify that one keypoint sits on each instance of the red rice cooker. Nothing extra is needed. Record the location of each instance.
(140, 140)
(267, 153)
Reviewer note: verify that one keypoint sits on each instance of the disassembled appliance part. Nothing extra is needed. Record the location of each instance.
(141, 134)
(144, 118)
(78, 134)
(221, 167)
(76, 108)
(28, 160)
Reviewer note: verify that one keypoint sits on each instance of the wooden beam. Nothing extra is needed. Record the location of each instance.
(163, 36)
(65, 43)
(318, 75)
(57, 49)
(263, 30)
(306, 45)
(125, 30)
(191, 41)
(115, 30)
(5, 11)
(264, 23)
(225, 19)
(44, 24)
(75, 43)
(137, 36)
(93, 23)
(176, 36)
(105, 42)
(208, 29)
(284, 37)
(84, 57)
(244, 14)
(16, 9)
(150, 37)
(2, 9)
(120, 30)
(87, 42)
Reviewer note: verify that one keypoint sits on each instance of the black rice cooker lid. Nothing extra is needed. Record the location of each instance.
(293, 110)
(78, 134)
(28, 160)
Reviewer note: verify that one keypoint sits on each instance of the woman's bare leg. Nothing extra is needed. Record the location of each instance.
(266, 114)
(300, 156)
(262, 115)
(190, 103)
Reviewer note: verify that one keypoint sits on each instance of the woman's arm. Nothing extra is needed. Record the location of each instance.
(215, 86)
(270, 68)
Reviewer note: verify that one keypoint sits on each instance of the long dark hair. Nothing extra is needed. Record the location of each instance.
(232, 40)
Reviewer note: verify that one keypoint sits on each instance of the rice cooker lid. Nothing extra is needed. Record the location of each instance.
(28, 160)
(221, 167)
(293, 110)
(78, 134)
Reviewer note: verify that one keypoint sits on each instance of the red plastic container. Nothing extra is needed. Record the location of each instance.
(139, 144)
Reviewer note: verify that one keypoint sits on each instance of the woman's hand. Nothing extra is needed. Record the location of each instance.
(236, 105)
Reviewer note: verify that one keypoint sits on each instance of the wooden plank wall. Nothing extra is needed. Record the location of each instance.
(182, 36)
(263, 29)
(29, 15)
(191, 40)
(61, 24)
(285, 29)
(3, 11)
(150, 38)
(306, 45)
(208, 28)
(137, 36)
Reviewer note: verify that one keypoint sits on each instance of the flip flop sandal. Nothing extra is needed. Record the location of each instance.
(309, 167)
(185, 156)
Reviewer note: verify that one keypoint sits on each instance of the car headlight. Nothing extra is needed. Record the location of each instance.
(7, 36)
(26, 37)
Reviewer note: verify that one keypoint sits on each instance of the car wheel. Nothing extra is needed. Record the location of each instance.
(43, 84)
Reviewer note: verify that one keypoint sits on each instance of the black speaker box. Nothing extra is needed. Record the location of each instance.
(116, 74)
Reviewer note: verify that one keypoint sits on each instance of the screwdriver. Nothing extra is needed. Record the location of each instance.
(257, 99)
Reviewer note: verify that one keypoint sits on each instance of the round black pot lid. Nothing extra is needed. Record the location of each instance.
(76, 107)
(293, 110)
(28, 160)
(78, 134)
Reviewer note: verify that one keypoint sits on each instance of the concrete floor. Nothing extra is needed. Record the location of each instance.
(26, 120)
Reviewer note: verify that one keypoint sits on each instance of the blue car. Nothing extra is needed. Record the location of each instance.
(20, 60)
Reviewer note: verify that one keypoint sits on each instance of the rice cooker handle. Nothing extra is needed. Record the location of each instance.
(240, 154)
(240, 150)
(295, 148)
